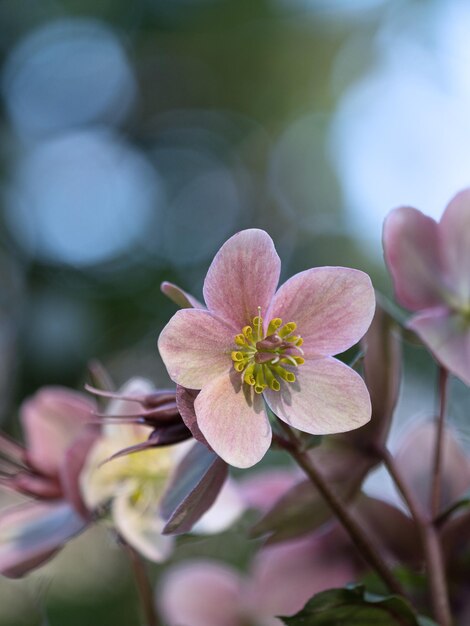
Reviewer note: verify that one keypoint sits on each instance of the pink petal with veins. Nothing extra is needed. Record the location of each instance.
(332, 307)
(242, 277)
(195, 347)
(233, 420)
(327, 397)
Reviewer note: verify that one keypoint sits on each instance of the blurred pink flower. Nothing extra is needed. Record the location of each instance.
(430, 265)
(281, 580)
(415, 458)
(56, 442)
(63, 468)
(239, 360)
(127, 490)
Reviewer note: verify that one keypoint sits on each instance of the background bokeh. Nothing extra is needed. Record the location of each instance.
(135, 137)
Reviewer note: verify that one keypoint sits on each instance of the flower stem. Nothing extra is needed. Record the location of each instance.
(362, 542)
(439, 444)
(430, 541)
(143, 586)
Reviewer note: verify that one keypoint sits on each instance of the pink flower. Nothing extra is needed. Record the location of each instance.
(281, 580)
(430, 267)
(46, 470)
(254, 344)
(127, 490)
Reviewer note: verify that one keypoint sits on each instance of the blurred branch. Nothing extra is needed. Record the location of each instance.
(438, 450)
(143, 585)
(430, 541)
(359, 538)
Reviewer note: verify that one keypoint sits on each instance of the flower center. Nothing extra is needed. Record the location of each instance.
(261, 358)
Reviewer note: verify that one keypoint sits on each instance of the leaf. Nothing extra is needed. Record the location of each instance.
(355, 606)
(302, 509)
(381, 519)
(194, 487)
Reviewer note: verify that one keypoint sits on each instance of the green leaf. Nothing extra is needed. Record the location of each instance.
(355, 606)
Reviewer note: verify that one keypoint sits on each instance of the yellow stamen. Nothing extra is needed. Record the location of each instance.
(274, 325)
(284, 374)
(240, 340)
(248, 377)
(248, 332)
(287, 329)
(262, 356)
(273, 383)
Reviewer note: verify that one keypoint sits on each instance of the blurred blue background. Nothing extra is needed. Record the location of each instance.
(136, 137)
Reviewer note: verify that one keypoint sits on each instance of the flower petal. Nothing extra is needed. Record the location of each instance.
(447, 335)
(332, 307)
(195, 347)
(135, 386)
(415, 457)
(31, 533)
(263, 489)
(412, 252)
(101, 478)
(72, 465)
(286, 575)
(51, 419)
(141, 526)
(327, 397)
(200, 593)
(242, 277)
(455, 233)
(233, 420)
(180, 297)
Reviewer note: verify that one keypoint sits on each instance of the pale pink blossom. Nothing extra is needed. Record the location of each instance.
(255, 345)
(46, 470)
(430, 265)
(280, 581)
(127, 491)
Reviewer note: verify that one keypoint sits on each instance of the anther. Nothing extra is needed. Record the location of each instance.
(240, 340)
(274, 325)
(287, 329)
(248, 332)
